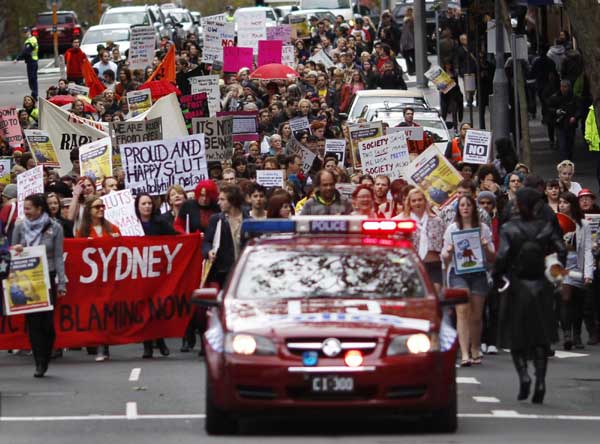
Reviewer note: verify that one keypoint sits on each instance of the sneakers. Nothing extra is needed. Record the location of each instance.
(484, 347)
(492, 350)
(101, 357)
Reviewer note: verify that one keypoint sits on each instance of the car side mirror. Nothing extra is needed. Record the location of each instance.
(206, 297)
(454, 296)
(295, 8)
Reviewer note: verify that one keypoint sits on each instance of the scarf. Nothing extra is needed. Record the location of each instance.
(422, 229)
(33, 229)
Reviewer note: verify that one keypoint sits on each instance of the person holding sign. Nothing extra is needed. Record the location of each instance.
(468, 316)
(37, 228)
(415, 146)
(455, 148)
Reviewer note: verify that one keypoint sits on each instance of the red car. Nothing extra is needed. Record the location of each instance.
(67, 26)
(338, 317)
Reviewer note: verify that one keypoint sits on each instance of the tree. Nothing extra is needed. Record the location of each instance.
(584, 16)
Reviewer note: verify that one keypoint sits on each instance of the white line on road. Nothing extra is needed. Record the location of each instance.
(135, 374)
(505, 413)
(466, 380)
(515, 415)
(565, 354)
(490, 399)
(131, 410)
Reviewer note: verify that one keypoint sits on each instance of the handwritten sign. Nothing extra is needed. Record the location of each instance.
(280, 32)
(29, 182)
(141, 47)
(386, 155)
(217, 33)
(120, 211)
(210, 86)
(270, 178)
(218, 136)
(10, 129)
(251, 27)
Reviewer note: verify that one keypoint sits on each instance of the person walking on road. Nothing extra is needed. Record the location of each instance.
(38, 228)
(30, 55)
(74, 58)
(527, 323)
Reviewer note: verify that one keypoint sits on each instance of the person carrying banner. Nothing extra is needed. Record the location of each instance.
(153, 225)
(37, 228)
(415, 146)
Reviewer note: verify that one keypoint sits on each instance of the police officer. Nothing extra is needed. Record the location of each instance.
(30, 55)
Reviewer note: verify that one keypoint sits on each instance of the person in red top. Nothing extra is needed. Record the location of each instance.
(415, 146)
(74, 58)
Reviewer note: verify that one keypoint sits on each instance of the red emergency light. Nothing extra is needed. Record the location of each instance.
(388, 226)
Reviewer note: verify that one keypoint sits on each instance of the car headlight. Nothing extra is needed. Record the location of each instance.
(246, 344)
(412, 344)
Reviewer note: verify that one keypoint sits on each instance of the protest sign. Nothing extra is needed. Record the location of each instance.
(194, 105)
(468, 255)
(362, 131)
(270, 178)
(5, 165)
(251, 27)
(120, 211)
(10, 128)
(269, 51)
(288, 57)
(412, 132)
(280, 32)
(337, 148)
(218, 136)
(141, 47)
(442, 81)
(139, 101)
(299, 126)
(210, 86)
(236, 58)
(41, 147)
(478, 147)
(152, 167)
(131, 132)
(387, 155)
(323, 58)
(594, 220)
(307, 156)
(78, 90)
(27, 288)
(217, 34)
(120, 290)
(245, 124)
(300, 27)
(166, 106)
(346, 189)
(95, 160)
(433, 174)
(29, 182)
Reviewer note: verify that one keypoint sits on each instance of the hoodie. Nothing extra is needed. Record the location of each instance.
(556, 53)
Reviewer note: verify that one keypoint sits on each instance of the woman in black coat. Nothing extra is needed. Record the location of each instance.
(153, 225)
(527, 323)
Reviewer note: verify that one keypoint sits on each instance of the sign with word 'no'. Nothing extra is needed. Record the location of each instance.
(477, 147)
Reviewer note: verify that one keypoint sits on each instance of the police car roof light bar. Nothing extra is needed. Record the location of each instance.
(254, 227)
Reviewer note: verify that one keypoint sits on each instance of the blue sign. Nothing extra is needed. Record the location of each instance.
(310, 358)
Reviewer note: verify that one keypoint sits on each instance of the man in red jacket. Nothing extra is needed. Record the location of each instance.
(74, 58)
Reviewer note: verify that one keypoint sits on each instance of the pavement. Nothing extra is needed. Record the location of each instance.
(133, 400)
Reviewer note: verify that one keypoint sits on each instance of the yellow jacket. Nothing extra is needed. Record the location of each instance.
(591, 131)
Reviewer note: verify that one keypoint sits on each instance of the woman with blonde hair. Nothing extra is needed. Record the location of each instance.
(566, 170)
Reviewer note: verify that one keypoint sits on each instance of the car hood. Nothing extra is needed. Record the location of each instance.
(90, 49)
(328, 316)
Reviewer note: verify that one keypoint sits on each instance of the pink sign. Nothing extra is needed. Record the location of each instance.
(281, 32)
(269, 51)
(10, 129)
(235, 58)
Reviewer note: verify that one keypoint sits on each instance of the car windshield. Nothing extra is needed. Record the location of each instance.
(339, 272)
(104, 35)
(62, 19)
(362, 102)
(133, 18)
(325, 4)
(182, 17)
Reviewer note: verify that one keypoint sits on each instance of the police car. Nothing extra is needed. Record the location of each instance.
(329, 315)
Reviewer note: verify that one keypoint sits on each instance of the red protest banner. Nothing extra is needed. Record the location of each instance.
(119, 291)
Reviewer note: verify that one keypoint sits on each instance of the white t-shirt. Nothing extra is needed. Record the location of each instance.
(575, 188)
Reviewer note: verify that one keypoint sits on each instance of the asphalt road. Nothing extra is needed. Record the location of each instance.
(14, 85)
(81, 400)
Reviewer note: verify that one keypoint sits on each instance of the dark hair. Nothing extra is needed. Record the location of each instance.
(408, 108)
(254, 187)
(468, 184)
(534, 181)
(576, 212)
(359, 188)
(474, 214)
(38, 200)
(234, 195)
(367, 177)
(553, 183)
(109, 73)
(484, 170)
(86, 221)
(137, 203)
(276, 202)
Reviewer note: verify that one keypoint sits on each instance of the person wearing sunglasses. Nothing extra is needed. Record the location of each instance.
(94, 225)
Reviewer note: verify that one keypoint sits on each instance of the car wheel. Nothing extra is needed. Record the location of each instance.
(217, 422)
(446, 419)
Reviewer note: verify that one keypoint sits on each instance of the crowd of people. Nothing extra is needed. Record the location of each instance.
(505, 199)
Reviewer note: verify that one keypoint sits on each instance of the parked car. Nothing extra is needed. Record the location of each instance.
(137, 15)
(270, 13)
(182, 20)
(319, 13)
(119, 33)
(392, 96)
(67, 26)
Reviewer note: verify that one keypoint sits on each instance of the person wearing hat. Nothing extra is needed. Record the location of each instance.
(229, 14)
(587, 202)
(30, 55)
(8, 214)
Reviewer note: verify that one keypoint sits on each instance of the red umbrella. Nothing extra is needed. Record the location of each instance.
(160, 88)
(62, 100)
(274, 71)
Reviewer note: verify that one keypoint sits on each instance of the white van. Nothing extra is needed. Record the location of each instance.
(336, 7)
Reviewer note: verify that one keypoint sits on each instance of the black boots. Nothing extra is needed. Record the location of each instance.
(520, 362)
(162, 347)
(147, 350)
(540, 361)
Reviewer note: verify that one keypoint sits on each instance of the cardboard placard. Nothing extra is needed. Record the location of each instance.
(120, 211)
(218, 136)
(336, 147)
(269, 51)
(141, 47)
(270, 178)
(210, 86)
(468, 254)
(236, 58)
(29, 182)
(95, 160)
(42, 148)
(478, 147)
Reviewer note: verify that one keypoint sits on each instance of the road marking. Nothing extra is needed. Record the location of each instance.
(515, 415)
(97, 417)
(131, 410)
(539, 139)
(466, 380)
(489, 399)
(565, 354)
(505, 413)
(135, 374)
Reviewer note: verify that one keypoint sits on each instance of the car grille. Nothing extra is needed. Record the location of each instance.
(298, 346)
(406, 392)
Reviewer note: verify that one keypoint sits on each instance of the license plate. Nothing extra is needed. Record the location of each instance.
(332, 384)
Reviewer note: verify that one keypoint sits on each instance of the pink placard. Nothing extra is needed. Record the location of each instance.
(10, 128)
(269, 51)
(235, 58)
